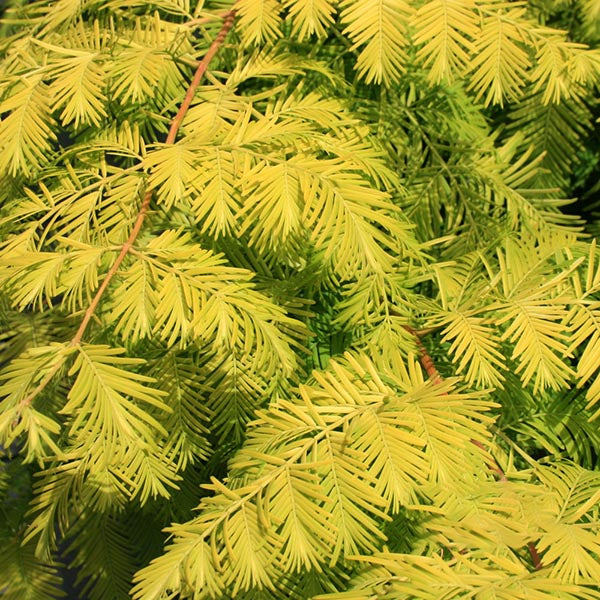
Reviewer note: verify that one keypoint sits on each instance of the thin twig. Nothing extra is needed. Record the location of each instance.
(214, 47)
(492, 464)
(229, 18)
(424, 357)
(535, 557)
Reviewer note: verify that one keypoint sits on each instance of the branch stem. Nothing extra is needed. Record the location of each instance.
(229, 18)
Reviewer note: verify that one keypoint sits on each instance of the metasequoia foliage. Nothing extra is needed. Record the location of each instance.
(293, 303)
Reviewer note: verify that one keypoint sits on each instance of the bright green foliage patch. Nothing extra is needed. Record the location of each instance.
(332, 330)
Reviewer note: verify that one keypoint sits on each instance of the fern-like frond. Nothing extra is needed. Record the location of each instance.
(145, 64)
(397, 457)
(90, 478)
(275, 204)
(584, 323)
(235, 390)
(433, 425)
(187, 423)
(80, 275)
(32, 277)
(199, 297)
(167, 577)
(135, 299)
(493, 516)
(310, 17)
(103, 402)
(378, 28)
(50, 511)
(308, 475)
(19, 420)
(590, 10)
(78, 81)
(172, 167)
(561, 67)
(584, 319)
(475, 347)
(105, 560)
(499, 69)
(89, 206)
(215, 199)
(26, 132)
(535, 324)
(120, 204)
(350, 213)
(535, 328)
(57, 15)
(513, 183)
(561, 427)
(259, 21)
(263, 64)
(24, 576)
(62, 491)
(475, 341)
(571, 543)
(37, 278)
(373, 302)
(210, 115)
(405, 576)
(122, 137)
(446, 29)
(555, 130)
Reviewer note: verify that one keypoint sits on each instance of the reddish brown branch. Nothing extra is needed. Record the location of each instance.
(493, 466)
(137, 226)
(535, 557)
(229, 18)
(424, 357)
(202, 66)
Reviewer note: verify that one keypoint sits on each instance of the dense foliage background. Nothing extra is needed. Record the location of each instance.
(300, 299)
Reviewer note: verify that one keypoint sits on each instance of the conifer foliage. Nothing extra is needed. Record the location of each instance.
(292, 304)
